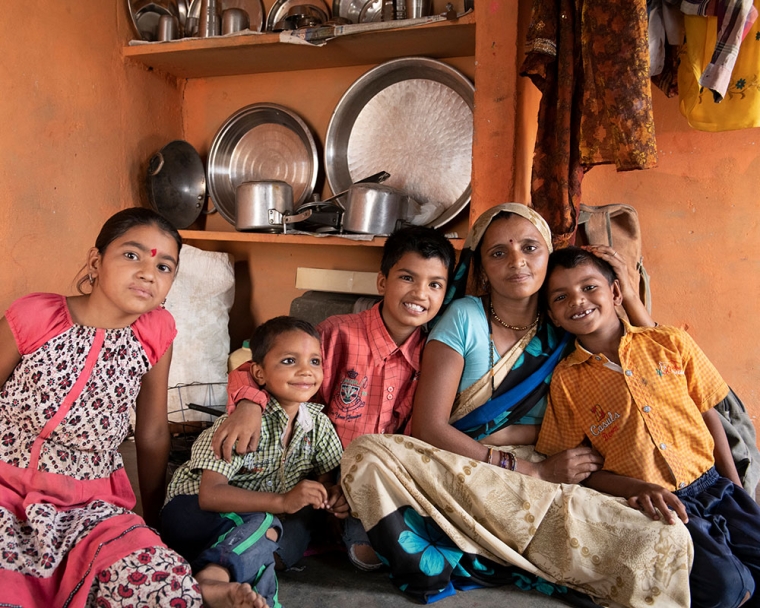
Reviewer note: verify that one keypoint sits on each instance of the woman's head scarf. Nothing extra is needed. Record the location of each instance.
(458, 286)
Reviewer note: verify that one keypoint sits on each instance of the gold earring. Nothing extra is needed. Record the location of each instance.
(90, 279)
(163, 304)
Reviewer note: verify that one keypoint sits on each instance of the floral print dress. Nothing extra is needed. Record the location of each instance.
(69, 537)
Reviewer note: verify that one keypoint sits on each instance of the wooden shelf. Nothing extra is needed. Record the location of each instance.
(227, 56)
(277, 239)
(285, 239)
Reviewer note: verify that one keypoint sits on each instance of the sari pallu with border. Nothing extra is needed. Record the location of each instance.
(443, 522)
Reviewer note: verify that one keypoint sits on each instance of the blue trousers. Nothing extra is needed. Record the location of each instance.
(235, 541)
(724, 523)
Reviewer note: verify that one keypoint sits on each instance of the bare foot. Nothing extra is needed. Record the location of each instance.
(230, 595)
(219, 592)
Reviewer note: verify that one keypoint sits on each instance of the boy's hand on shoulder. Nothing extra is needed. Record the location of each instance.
(240, 431)
(336, 502)
(306, 492)
(656, 502)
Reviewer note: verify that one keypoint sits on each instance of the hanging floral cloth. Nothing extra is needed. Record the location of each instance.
(590, 60)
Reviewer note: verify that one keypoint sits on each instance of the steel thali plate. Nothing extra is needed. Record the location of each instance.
(411, 117)
(261, 142)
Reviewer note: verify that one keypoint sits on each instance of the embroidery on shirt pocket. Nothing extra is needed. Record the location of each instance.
(665, 368)
(605, 426)
(352, 391)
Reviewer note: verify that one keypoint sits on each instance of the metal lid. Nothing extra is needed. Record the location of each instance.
(176, 183)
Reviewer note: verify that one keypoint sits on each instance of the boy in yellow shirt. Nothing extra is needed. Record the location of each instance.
(644, 398)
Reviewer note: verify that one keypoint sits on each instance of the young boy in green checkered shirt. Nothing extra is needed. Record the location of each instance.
(219, 514)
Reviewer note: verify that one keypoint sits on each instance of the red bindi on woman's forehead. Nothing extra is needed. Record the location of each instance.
(153, 253)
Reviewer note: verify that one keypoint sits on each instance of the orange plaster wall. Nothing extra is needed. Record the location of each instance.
(699, 217)
(77, 127)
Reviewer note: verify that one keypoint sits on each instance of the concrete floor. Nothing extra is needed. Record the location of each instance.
(329, 580)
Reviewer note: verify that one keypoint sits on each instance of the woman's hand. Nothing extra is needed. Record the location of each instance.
(619, 265)
(637, 313)
(571, 466)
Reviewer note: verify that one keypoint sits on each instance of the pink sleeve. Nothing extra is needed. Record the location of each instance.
(156, 331)
(241, 385)
(331, 353)
(36, 318)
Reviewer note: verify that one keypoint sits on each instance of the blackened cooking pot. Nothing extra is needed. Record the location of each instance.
(176, 183)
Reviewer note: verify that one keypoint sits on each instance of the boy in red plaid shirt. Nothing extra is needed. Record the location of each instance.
(371, 360)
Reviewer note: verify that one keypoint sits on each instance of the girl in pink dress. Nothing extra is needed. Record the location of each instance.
(70, 369)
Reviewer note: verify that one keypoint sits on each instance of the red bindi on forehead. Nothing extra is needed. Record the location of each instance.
(153, 253)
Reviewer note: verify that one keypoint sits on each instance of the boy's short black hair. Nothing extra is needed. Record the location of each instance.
(264, 335)
(424, 241)
(571, 257)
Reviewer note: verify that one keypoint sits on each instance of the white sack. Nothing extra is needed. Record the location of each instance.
(200, 301)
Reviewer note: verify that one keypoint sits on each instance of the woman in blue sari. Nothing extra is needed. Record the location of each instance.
(467, 501)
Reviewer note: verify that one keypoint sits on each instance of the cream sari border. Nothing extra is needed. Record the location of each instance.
(480, 391)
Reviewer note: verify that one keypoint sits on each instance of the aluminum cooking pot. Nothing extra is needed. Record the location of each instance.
(265, 206)
(374, 209)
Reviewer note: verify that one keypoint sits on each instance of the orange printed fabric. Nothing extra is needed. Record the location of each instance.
(590, 60)
(645, 416)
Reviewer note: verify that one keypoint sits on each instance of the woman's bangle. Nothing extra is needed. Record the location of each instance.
(507, 460)
(488, 456)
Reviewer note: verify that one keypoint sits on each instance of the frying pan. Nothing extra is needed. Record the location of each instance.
(176, 183)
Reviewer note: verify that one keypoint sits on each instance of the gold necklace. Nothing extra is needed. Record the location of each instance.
(513, 327)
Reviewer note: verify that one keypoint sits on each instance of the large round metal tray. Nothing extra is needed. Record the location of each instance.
(411, 117)
(261, 142)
